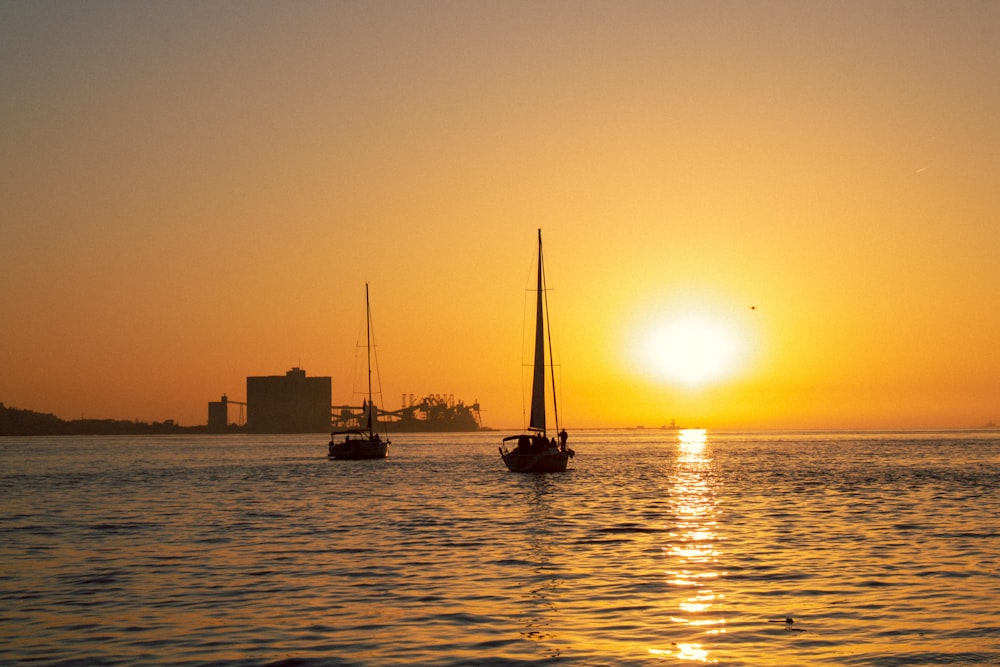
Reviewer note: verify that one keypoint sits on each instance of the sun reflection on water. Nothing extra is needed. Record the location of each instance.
(693, 548)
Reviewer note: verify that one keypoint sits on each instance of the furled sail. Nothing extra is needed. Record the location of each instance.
(537, 422)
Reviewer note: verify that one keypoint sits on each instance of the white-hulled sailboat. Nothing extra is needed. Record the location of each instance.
(534, 451)
(362, 443)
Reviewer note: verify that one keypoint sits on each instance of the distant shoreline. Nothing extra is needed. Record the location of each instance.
(19, 422)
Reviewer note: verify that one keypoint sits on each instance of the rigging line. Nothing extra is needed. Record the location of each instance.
(355, 389)
(548, 329)
(373, 350)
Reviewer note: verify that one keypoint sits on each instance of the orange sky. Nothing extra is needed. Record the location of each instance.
(191, 193)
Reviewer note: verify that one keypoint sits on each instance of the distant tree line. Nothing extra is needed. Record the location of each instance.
(15, 421)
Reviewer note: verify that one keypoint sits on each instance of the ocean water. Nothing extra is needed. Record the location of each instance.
(656, 547)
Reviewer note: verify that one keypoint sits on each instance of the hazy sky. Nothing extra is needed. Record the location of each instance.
(195, 192)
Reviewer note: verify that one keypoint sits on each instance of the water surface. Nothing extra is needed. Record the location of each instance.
(656, 547)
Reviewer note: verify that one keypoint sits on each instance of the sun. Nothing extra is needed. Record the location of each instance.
(692, 349)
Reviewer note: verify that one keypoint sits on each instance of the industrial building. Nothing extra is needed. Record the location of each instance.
(289, 403)
(218, 415)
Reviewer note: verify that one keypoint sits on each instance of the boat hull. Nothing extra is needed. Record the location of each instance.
(551, 460)
(359, 449)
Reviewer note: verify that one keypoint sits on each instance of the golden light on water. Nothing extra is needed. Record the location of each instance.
(690, 578)
(693, 441)
(692, 550)
(692, 652)
(699, 603)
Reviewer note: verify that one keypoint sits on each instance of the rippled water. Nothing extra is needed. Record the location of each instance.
(656, 547)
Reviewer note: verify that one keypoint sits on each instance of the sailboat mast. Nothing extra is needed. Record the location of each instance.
(368, 346)
(538, 377)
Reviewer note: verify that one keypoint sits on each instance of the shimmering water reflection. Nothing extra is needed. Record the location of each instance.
(656, 547)
(692, 552)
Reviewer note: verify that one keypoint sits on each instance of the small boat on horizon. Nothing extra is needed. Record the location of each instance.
(362, 443)
(534, 451)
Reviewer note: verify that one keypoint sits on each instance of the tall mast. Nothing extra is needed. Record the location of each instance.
(538, 378)
(368, 345)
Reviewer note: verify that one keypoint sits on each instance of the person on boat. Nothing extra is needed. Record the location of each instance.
(563, 436)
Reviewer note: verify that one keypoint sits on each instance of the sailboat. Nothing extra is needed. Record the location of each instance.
(534, 451)
(363, 443)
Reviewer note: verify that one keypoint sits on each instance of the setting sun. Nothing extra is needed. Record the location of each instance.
(691, 349)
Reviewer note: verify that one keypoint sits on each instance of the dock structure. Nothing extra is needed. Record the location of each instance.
(432, 413)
